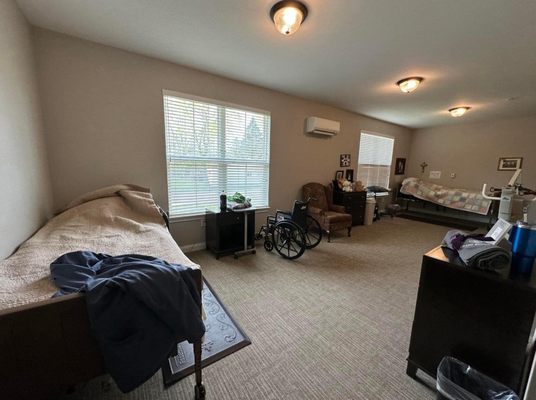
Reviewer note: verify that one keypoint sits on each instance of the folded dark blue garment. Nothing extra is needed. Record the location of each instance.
(138, 307)
(477, 250)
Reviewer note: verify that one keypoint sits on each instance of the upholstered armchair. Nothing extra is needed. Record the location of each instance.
(331, 217)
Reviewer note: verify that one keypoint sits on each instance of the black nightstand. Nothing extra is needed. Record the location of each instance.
(353, 203)
(225, 232)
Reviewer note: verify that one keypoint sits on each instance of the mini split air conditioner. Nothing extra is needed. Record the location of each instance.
(322, 126)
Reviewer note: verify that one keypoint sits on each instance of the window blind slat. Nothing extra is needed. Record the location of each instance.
(212, 148)
(374, 162)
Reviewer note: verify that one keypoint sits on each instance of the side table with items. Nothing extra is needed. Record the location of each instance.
(477, 303)
(230, 232)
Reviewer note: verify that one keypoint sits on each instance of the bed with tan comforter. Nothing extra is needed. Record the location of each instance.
(46, 344)
(121, 219)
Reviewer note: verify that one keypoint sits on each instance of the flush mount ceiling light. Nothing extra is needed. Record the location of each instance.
(458, 111)
(288, 16)
(408, 85)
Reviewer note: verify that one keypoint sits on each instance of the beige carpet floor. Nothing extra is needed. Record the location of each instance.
(334, 324)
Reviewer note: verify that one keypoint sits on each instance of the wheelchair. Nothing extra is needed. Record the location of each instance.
(291, 232)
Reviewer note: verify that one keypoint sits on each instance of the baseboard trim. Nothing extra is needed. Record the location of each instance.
(190, 248)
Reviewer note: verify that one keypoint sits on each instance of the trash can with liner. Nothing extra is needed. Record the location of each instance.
(458, 381)
(370, 206)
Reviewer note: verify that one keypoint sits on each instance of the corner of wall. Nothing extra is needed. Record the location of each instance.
(26, 172)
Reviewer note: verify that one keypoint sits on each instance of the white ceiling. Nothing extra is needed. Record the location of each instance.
(348, 53)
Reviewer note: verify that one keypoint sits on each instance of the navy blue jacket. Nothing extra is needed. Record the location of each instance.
(138, 307)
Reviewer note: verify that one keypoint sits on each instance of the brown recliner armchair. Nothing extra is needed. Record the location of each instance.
(331, 217)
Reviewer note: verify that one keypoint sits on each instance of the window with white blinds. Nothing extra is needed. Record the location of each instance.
(374, 163)
(212, 147)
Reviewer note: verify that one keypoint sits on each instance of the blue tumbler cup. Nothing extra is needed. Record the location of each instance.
(523, 239)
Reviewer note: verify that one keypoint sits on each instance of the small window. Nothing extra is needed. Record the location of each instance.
(374, 162)
(213, 147)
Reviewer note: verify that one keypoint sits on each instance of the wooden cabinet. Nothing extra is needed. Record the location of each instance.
(353, 203)
(482, 318)
(225, 231)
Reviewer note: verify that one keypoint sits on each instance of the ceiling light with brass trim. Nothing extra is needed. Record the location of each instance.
(408, 85)
(458, 111)
(288, 16)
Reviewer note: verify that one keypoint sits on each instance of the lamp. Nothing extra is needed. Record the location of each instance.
(458, 111)
(408, 85)
(288, 16)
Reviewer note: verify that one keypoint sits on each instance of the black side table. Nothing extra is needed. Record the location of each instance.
(230, 232)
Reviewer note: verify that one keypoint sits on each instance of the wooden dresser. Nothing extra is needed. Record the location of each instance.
(482, 318)
(354, 204)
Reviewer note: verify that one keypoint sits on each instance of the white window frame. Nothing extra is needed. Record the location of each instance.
(200, 215)
(392, 154)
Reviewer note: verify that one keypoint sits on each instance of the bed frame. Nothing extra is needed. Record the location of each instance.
(47, 348)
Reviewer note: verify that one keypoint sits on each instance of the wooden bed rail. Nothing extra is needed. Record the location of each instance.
(47, 348)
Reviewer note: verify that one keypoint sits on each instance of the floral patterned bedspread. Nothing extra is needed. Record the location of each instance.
(459, 199)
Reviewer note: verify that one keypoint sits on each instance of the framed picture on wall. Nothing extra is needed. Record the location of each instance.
(400, 166)
(339, 175)
(349, 175)
(510, 163)
(345, 160)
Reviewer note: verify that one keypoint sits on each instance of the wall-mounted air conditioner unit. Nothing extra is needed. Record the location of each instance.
(322, 126)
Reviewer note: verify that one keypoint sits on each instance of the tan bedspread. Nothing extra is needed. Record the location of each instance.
(115, 220)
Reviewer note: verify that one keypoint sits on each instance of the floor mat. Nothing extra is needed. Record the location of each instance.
(223, 336)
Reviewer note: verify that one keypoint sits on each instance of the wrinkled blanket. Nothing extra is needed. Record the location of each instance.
(119, 219)
(137, 305)
(459, 199)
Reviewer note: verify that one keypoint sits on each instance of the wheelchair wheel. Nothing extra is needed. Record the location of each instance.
(312, 232)
(268, 245)
(289, 240)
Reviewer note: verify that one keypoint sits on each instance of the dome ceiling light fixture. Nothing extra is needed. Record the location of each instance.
(288, 16)
(408, 85)
(459, 111)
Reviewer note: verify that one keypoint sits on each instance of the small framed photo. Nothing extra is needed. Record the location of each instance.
(349, 175)
(339, 175)
(345, 160)
(400, 166)
(510, 163)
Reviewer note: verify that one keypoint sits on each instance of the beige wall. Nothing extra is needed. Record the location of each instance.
(104, 123)
(472, 152)
(24, 177)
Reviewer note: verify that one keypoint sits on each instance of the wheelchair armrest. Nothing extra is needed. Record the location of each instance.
(284, 212)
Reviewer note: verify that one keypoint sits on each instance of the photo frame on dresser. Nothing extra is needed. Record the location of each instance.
(349, 175)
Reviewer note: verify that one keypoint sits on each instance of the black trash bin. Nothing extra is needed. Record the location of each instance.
(458, 381)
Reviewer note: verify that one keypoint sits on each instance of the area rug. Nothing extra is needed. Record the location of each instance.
(223, 336)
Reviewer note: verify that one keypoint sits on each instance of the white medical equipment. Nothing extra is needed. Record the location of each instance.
(509, 194)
